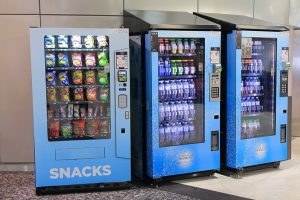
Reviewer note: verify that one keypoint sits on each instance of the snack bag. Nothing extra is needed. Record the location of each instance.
(90, 77)
(92, 127)
(77, 77)
(76, 59)
(90, 59)
(51, 95)
(76, 41)
(79, 127)
(70, 110)
(51, 78)
(90, 111)
(102, 58)
(49, 41)
(89, 42)
(63, 60)
(50, 59)
(82, 112)
(104, 93)
(63, 111)
(50, 113)
(56, 112)
(53, 128)
(66, 128)
(62, 41)
(78, 94)
(76, 111)
(91, 93)
(103, 77)
(63, 78)
(64, 94)
(102, 41)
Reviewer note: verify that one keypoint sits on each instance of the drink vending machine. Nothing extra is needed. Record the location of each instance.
(81, 98)
(255, 129)
(175, 93)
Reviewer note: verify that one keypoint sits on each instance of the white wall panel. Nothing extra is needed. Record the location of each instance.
(239, 7)
(165, 5)
(16, 125)
(19, 6)
(272, 10)
(56, 21)
(82, 7)
(295, 12)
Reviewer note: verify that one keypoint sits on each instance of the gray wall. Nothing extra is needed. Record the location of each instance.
(16, 16)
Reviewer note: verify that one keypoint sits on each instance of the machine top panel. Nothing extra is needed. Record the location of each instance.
(240, 22)
(166, 20)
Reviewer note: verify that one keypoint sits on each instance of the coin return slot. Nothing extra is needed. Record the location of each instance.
(123, 130)
(216, 116)
(284, 111)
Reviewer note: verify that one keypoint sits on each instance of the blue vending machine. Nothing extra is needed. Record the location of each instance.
(81, 108)
(175, 94)
(255, 129)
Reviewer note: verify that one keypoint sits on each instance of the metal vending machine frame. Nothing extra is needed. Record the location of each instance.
(153, 161)
(239, 153)
(81, 162)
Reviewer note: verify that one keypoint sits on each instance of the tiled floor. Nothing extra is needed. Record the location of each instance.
(282, 183)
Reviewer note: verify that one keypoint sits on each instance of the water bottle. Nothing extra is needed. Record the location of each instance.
(258, 86)
(248, 104)
(253, 104)
(167, 111)
(168, 137)
(174, 90)
(167, 67)
(186, 88)
(168, 92)
(242, 87)
(161, 65)
(257, 103)
(173, 132)
(179, 89)
(185, 108)
(179, 110)
(250, 66)
(255, 66)
(191, 130)
(244, 127)
(161, 90)
(173, 108)
(161, 114)
(260, 66)
(191, 110)
(243, 105)
(161, 134)
(251, 85)
(186, 133)
(191, 88)
(179, 132)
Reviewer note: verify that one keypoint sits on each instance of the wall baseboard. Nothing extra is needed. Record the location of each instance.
(15, 167)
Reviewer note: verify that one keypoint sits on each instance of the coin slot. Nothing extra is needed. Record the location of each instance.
(123, 130)
(216, 116)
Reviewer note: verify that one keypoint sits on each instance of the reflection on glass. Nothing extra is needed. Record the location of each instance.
(77, 79)
(181, 91)
(258, 87)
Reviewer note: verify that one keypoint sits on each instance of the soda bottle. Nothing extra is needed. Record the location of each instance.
(251, 85)
(242, 87)
(167, 47)
(173, 133)
(179, 110)
(185, 108)
(161, 46)
(173, 68)
(179, 132)
(186, 89)
(161, 65)
(253, 104)
(167, 67)
(167, 111)
(173, 46)
(161, 134)
(192, 46)
(192, 67)
(161, 90)
(243, 65)
(257, 103)
(243, 105)
(179, 89)
(179, 68)
(244, 127)
(186, 129)
(191, 88)
(161, 111)
(168, 92)
(186, 46)
(186, 67)
(191, 110)
(191, 130)
(179, 46)
(173, 108)
(260, 66)
(168, 137)
(173, 89)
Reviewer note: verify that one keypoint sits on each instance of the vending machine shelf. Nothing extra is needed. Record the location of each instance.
(78, 86)
(179, 55)
(252, 114)
(76, 49)
(77, 102)
(79, 137)
(74, 68)
(178, 77)
(252, 74)
(253, 95)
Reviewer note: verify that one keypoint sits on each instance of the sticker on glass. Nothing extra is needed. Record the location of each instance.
(215, 55)
(247, 47)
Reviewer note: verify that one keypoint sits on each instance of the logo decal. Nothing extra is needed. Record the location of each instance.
(185, 159)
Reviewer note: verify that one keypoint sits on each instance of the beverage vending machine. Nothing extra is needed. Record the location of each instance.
(256, 92)
(175, 94)
(81, 98)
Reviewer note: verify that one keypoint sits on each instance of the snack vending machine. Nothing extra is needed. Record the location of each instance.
(256, 92)
(176, 94)
(81, 108)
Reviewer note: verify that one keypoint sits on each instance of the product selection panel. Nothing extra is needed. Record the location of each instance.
(215, 85)
(284, 83)
(122, 77)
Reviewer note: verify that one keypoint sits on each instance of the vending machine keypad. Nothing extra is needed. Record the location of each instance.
(215, 84)
(284, 83)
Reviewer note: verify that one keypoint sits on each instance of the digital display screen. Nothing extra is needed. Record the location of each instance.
(122, 76)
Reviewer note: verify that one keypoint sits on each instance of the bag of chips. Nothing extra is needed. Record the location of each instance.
(63, 111)
(78, 94)
(50, 59)
(63, 78)
(90, 59)
(53, 128)
(91, 93)
(92, 127)
(76, 41)
(49, 41)
(79, 127)
(90, 111)
(102, 41)
(103, 77)
(51, 78)
(89, 42)
(82, 112)
(102, 58)
(77, 77)
(50, 113)
(76, 59)
(63, 60)
(51, 95)
(104, 94)
(90, 77)
(66, 128)
(62, 41)
(64, 94)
